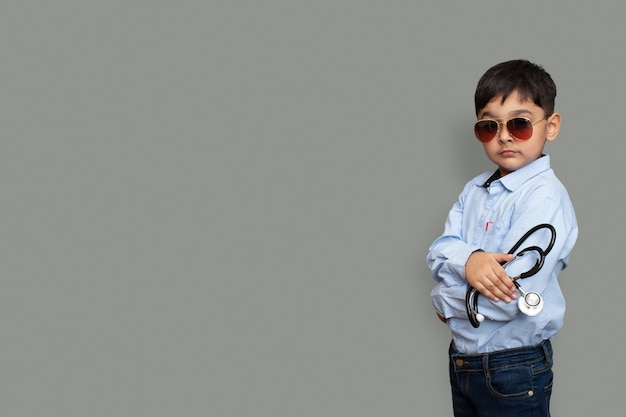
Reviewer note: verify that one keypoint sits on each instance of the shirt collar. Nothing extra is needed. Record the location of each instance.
(517, 178)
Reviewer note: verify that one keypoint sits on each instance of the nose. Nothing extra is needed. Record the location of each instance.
(503, 133)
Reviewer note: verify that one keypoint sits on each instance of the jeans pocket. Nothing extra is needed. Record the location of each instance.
(511, 382)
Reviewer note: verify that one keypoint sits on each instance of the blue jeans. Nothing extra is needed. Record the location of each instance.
(511, 383)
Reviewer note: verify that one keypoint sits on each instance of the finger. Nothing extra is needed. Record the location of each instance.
(503, 291)
(506, 284)
(506, 257)
(496, 290)
(489, 290)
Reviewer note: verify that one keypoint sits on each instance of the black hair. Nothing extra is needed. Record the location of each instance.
(530, 81)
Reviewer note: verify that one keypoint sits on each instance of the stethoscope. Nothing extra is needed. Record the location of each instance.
(531, 303)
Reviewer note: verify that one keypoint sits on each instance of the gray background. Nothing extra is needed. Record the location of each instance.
(223, 208)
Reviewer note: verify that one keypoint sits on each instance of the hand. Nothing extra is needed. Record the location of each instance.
(483, 271)
(442, 318)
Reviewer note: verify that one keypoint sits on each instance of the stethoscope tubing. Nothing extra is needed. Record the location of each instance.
(471, 296)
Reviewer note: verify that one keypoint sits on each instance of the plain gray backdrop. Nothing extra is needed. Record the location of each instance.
(223, 208)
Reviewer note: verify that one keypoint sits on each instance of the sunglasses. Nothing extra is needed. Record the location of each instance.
(519, 127)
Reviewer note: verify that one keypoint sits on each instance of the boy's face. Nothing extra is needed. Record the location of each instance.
(509, 153)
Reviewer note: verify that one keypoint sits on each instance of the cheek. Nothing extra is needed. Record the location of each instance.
(540, 134)
(537, 142)
(490, 147)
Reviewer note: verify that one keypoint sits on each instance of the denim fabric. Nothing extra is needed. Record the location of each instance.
(512, 383)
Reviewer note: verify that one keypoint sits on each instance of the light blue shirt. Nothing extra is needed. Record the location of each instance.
(492, 216)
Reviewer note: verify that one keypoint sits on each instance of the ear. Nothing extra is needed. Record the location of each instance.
(553, 126)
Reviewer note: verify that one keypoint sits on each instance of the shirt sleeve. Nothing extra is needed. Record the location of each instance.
(449, 302)
(448, 254)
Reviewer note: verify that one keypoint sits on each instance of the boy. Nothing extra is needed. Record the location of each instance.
(501, 360)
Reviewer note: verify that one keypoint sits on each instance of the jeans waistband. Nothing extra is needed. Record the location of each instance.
(501, 358)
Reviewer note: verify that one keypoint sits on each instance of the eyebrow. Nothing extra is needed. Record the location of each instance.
(513, 113)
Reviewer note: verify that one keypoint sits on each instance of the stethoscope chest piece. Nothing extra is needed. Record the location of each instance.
(530, 304)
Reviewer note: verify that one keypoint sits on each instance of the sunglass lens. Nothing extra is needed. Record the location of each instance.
(486, 130)
(520, 128)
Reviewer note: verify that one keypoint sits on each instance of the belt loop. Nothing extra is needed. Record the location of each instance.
(547, 350)
(486, 365)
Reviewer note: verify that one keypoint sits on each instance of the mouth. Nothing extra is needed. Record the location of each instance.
(507, 152)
